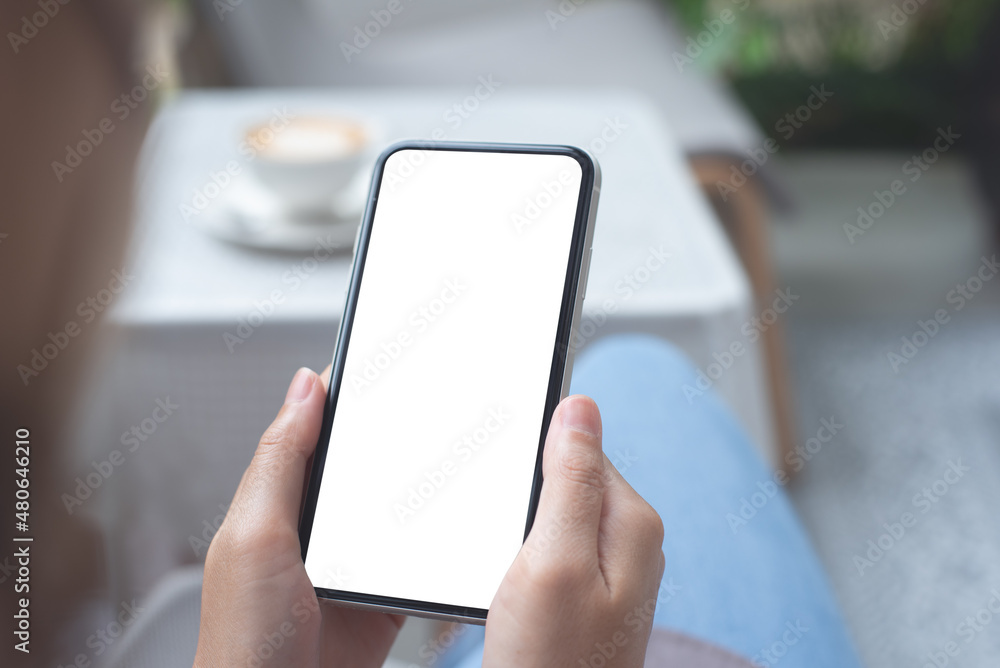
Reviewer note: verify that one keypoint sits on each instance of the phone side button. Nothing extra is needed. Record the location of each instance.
(585, 272)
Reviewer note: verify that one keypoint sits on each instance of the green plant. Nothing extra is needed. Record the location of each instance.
(821, 35)
(900, 68)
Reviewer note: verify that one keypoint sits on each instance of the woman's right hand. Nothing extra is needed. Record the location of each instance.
(583, 588)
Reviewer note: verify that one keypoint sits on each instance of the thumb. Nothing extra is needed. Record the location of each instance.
(569, 508)
(272, 485)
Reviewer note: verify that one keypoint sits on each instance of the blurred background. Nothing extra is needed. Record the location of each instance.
(822, 174)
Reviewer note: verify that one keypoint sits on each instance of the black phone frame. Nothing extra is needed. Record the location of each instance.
(560, 349)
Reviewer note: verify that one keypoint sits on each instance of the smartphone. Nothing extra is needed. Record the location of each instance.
(470, 269)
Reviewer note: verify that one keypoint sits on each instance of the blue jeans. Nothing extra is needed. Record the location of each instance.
(753, 586)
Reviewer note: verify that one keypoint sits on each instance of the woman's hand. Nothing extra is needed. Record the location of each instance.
(583, 588)
(258, 607)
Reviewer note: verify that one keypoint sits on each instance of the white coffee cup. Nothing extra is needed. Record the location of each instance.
(308, 161)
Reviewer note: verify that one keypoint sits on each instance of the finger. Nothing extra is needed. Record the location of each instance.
(631, 533)
(569, 509)
(272, 485)
(325, 376)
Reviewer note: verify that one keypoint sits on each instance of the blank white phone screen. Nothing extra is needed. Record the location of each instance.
(428, 474)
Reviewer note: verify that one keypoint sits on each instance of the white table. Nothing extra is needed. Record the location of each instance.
(191, 288)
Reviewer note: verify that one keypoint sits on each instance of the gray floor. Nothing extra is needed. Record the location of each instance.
(902, 428)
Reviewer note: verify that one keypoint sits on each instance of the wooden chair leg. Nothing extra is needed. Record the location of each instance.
(744, 215)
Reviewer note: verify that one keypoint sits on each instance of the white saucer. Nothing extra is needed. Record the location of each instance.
(248, 214)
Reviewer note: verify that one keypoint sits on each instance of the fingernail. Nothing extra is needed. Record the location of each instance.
(300, 387)
(581, 414)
